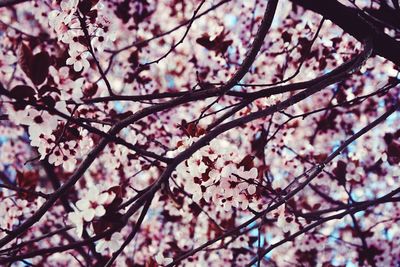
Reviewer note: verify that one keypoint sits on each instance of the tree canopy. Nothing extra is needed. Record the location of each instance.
(199, 133)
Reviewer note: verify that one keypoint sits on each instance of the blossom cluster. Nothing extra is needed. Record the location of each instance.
(93, 205)
(215, 174)
(71, 23)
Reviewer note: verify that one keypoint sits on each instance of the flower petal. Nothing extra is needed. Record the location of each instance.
(88, 215)
(83, 204)
(100, 211)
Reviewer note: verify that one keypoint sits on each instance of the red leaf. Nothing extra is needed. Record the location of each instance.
(21, 92)
(340, 172)
(124, 115)
(91, 90)
(100, 226)
(151, 263)
(39, 67)
(27, 180)
(393, 152)
(36, 67)
(219, 45)
(86, 5)
(24, 58)
(191, 129)
(109, 220)
(247, 162)
(116, 190)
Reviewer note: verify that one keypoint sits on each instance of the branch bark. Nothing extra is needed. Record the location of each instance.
(8, 3)
(353, 23)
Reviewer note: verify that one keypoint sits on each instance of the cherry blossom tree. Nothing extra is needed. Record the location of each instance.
(199, 133)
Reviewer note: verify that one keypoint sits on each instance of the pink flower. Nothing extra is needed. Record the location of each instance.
(92, 204)
(44, 143)
(59, 76)
(196, 165)
(59, 23)
(251, 189)
(57, 157)
(251, 174)
(69, 6)
(78, 60)
(161, 260)
(6, 61)
(41, 123)
(76, 218)
(285, 220)
(105, 246)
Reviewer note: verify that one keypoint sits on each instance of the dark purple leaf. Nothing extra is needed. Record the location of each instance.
(24, 59)
(219, 45)
(39, 67)
(340, 172)
(21, 92)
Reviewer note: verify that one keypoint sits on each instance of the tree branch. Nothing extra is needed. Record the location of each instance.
(353, 23)
(9, 3)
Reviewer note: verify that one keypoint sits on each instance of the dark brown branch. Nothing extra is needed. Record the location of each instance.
(336, 76)
(174, 46)
(132, 234)
(22, 190)
(8, 3)
(255, 47)
(352, 210)
(363, 131)
(365, 248)
(52, 176)
(141, 43)
(28, 242)
(353, 22)
(91, 51)
(78, 121)
(303, 60)
(46, 251)
(348, 68)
